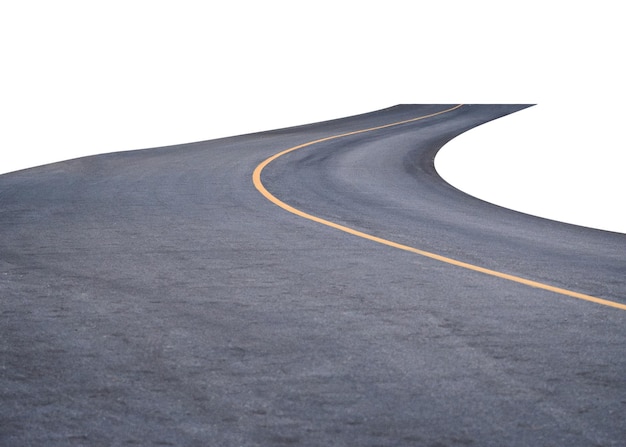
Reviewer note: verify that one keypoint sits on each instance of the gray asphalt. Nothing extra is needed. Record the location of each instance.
(155, 297)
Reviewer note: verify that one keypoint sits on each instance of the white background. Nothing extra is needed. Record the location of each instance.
(86, 77)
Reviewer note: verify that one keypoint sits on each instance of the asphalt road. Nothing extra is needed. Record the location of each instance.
(156, 297)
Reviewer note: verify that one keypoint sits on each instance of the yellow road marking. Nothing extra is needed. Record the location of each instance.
(256, 178)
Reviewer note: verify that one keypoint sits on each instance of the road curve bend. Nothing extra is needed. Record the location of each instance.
(315, 285)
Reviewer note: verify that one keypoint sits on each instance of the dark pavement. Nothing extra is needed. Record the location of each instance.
(156, 297)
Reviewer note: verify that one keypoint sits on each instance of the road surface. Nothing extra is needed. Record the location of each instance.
(317, 285)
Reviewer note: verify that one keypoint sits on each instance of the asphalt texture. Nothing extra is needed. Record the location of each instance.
(155, 297)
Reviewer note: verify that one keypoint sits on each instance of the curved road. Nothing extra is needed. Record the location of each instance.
(161, 297)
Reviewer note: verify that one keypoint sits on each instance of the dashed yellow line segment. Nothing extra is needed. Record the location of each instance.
(256, 178)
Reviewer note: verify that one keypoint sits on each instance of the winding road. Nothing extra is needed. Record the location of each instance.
(316, 285)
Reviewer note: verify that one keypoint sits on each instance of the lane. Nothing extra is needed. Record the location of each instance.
(258, 183)
(155, 297)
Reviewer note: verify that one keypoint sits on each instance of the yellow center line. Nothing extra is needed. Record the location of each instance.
(256, 178)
